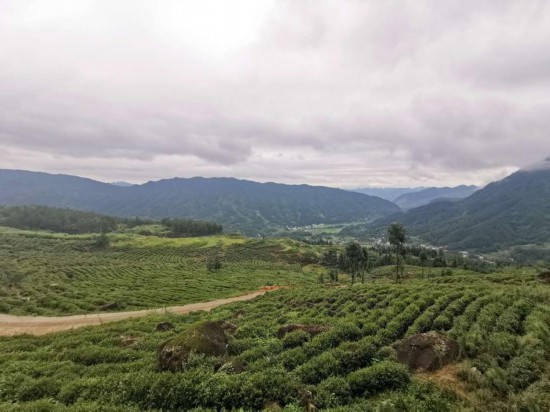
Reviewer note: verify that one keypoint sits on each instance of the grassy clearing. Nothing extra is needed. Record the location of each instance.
(502, 329)
(52, 274)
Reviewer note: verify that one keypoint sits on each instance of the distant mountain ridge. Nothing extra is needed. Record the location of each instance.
(388, 193)
(509, 212)
(121, 183)
(432, 194)
(242, 205)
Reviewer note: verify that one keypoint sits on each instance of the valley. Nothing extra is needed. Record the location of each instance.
(276, 206)
(121, 302)
(156, 313)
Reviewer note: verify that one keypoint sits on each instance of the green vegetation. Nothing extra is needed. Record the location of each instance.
(190, 228)
(78, 222)
(511, 212)
(56, 220)
(47, 274)
(312, 345)
(500, 321)
(248, 207)
(397, 236)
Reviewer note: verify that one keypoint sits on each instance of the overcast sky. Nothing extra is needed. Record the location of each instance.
(338, 93)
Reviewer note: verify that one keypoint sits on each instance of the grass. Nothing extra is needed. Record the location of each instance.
(502, 329)
(52, 274)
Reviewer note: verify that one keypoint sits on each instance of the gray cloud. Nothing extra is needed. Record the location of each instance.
(323, 92)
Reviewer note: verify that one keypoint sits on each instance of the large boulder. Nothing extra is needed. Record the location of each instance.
(209, 338)
(427, 351)
(311, 329)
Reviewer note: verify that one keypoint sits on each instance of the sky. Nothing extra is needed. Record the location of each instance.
(342, 93)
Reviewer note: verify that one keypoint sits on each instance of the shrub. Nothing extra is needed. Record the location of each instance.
(38, 388)
(93, 355)
(334, 391)
(295, 339)
(270, 385)
(318, 368)
(378, 377)
(535, 398)
(292, 358)
(526, 369)
(355, 355)
(443, 322)
(496, 379)
(502, 346)
(270, 348)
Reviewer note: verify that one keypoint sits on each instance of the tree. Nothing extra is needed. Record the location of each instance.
(354, 255)
(364, 264)
(330, 260)
(397, 236)
(423, 259)
(102, 241)
(214, 262)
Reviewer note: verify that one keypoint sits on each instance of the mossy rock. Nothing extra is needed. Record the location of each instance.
(427, 351)
(208, 338)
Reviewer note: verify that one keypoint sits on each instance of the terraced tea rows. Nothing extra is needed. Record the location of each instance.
(48, 274)
(503, 332)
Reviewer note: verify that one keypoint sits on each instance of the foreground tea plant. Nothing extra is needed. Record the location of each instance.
(345, 362)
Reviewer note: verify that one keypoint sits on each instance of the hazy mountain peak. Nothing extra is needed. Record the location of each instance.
(121, 184)
(540, 165)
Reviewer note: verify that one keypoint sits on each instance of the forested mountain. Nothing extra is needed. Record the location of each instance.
(388, 193)
(237, 204)
(415, 199)
(512, 211)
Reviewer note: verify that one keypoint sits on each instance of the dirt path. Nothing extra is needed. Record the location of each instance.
(40, 325)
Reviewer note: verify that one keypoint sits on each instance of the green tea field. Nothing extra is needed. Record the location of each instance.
(501, 324)
(56, 274)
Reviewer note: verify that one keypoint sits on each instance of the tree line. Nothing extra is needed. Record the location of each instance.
(71, 221)
(190, 228)
(358, 260)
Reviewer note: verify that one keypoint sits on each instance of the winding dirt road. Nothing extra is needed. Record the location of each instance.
(40, 325)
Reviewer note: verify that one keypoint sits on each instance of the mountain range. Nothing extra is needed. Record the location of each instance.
(388, 193)
(512, 211)
(239, 205)
(433, 194)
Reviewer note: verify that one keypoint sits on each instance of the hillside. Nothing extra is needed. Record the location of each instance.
(512, 211)
(61, 274)
(500, 323)
(432, 194)
(247, 206)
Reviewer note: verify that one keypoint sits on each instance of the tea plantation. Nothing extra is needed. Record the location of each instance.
(52, 274)
(501, 322)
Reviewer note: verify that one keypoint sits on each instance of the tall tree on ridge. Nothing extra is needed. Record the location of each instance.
(397, 236)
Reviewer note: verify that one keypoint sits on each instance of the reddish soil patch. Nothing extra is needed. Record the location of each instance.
(446, 378)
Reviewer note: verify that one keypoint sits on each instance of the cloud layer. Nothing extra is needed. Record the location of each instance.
(353, 93)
